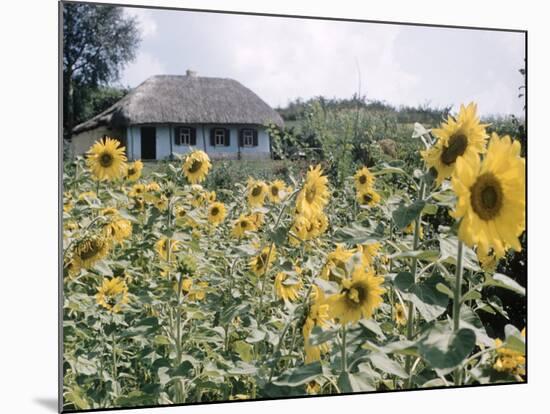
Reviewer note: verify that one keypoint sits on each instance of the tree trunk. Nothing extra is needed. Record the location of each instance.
(70, 106)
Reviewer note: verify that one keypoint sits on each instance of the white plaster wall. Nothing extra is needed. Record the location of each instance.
(164, 136)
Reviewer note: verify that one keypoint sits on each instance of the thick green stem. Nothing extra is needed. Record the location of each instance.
(344, 355)
(411, 310)
(457, 300)
(114, 373)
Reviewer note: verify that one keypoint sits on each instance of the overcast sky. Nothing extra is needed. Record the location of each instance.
(283, 58)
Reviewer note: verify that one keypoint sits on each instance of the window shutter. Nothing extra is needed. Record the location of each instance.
(177, 139)
(193, 132)
(212, 139)
(227, 140)
(255, 137)
(241, 143)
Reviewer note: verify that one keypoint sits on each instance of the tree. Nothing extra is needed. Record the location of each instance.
(98, 41)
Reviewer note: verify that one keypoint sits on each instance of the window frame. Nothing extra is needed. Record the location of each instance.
(219, 133)
(248, 137)
(184, 132)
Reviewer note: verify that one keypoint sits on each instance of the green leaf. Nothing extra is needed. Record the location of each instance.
(513, 339)
(386, 364)
(356, 382)
(244, 350)
(505, 282)
(430, 209)
(278, 236)
(429, 255)
(443, 288)
(102, 268)
(405, 215)
(255, 335)
(373, 326)
(429, 301)
(356, 234)
(161, 340)
(318, 336)
(448, 247)
(300, 375)
(442, 348)
(242, 368)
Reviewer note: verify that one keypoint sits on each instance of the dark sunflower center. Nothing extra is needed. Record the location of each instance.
(90, 249)
(362, 179)
(214, 211)
(275, 191)
(355, 295)
(457, 146)
(486, 196)
(256, 191)
(131, 171)
(262, 260)
(106, 160)
(311, 192)
(366, 198)
(244, 224)
(195, 166)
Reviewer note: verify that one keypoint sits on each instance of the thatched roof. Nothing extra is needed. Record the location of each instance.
(171, 99)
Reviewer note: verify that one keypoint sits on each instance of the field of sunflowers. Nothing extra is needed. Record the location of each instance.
(178, 293)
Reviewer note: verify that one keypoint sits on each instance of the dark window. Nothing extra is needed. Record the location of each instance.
(185, 136)
(220, 137)
(248, 137)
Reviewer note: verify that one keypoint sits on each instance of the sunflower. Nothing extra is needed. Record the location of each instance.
(277, 191)
(314, 195)
(216, 213)
(162, 247)
(335, 264)
(368, 197)
(194, 292)
(256, 192)
(509, 360)
(133, 170)
(87, 196)
(317, 225)
(318, 315)
(463, 137)
(138, 190)
(112, 294)
(196, 166)
(359, 296)
(299, 230)
(400, 314)
(260, 264)
(153, 187)
(487, 260)
(161, 203)
(364, 180)
(370, 252)
(106, 159)
(313, 388)
(257, 219)
(410, 229)
(90, 250)
(241, 226)
(491, 197)
(118, 229)
(198, 292)
(285, 289)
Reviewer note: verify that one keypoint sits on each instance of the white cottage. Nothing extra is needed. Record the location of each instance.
(170, 114)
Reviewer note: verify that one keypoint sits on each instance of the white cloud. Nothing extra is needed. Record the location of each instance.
(144, 66)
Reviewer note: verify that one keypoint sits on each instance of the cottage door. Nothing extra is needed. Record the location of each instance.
(148, 143)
